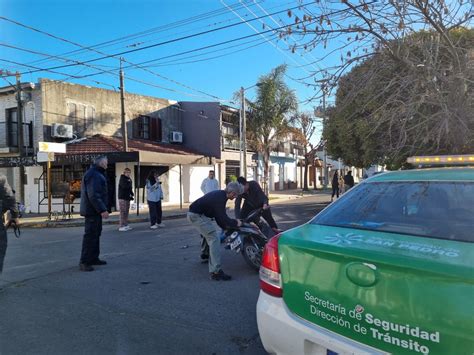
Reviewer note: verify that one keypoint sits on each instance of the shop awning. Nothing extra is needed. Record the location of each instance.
(85, 150)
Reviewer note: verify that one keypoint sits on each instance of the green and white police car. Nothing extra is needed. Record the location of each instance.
(387, 268)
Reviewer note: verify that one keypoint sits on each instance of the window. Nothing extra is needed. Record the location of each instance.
(427, 209)
(12, 127)
(146, 127)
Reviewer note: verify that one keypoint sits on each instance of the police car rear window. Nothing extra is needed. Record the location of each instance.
(443, 210)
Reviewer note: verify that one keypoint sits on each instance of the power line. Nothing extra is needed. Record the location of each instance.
(175, 24)
(178, 61)
(54, 72)
(112, 72)
(156, 44)
(261, 34)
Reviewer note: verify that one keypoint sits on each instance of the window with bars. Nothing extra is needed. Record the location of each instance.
(146, 127)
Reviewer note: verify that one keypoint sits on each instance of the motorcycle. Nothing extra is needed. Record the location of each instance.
(249, 239)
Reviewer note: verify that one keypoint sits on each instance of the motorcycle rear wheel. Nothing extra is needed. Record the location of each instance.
(252, 255)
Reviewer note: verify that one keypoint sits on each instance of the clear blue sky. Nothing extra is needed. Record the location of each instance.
(89, 22)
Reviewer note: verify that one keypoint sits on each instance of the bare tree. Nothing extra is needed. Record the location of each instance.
(305, 126)
(421, 66)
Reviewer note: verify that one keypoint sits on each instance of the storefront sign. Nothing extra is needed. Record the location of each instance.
(43, 157)
(52, 147)
(11, 162)
(115, 157)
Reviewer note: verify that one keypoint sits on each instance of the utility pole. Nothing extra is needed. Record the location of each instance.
(19, 120)
(325, 163)
(122, 107)
(19, 116)
(244, 133)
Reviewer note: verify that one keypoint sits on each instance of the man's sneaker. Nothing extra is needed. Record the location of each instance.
(161, 225)
(99, 262)
(123, 229)
(85, 267)
(128, 228)
(155, 226)
(220, 275)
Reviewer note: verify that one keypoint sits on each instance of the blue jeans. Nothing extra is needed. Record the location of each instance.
(155, 212)
(91, 241)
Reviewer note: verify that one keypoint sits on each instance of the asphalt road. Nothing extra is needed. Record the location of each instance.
(153, 297)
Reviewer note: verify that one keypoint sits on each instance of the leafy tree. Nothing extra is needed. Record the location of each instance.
(269, 115)
(414, 91)
(387, 109)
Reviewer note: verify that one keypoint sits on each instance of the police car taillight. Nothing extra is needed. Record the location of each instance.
(270, 277)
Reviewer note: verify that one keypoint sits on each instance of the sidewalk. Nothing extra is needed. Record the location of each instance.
(169, 212)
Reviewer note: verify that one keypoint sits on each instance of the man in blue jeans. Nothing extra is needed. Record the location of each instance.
(201, 214)
(94, 200)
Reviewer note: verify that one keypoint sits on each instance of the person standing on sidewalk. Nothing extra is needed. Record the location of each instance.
(125, 195)
(201, 214)
(335, 185)
(154, 197)
(348, 180)
(341, 183)
(94, 199)
(210, 183)
(7, 203)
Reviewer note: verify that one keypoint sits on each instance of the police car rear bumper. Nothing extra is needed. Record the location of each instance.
(282, 332)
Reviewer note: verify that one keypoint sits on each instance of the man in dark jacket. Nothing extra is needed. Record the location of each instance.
(254, 198)
(125, 195)
(7, 203)
(201, 214)
(348, 180)
(94, 199)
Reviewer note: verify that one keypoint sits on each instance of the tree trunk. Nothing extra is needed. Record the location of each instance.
(306, 163)
(266, 161)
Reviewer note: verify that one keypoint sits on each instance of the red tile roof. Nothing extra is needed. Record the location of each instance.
(106, 144)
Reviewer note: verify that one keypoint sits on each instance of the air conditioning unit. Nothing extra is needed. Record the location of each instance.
(176, 137)
(60, 130)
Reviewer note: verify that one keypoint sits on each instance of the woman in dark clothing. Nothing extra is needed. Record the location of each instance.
(335, 185)
(125, 195)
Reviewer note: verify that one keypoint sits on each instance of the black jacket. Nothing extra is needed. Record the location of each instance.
(125, 190)
(255, 197)
(335, 181)
(94, 196)
(349, 180)
(7, 198)
(212, 205)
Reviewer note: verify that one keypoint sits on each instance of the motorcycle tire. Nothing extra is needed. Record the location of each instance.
(252, 255)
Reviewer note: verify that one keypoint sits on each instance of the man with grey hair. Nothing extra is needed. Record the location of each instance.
(201, 214)
(94, 207)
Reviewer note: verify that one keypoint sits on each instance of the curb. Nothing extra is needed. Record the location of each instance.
(80, 222)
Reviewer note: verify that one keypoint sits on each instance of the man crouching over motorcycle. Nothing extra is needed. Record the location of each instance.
(254, 198)
(201, 214)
